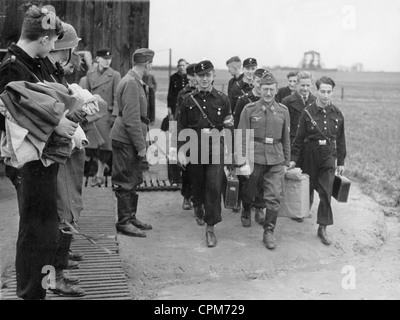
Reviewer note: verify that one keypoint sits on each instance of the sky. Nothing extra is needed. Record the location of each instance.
(278, 32)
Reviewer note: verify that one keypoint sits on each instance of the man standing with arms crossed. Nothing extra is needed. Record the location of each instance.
(129, 143)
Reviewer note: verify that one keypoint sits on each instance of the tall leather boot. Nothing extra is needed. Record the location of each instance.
(269, 227)
(246, 215)
(137, 223)
(124, 205)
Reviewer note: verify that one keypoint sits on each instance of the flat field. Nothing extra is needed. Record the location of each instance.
(371, 106)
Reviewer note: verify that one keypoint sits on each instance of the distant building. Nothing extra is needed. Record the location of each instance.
(357, 67)
(311, 60)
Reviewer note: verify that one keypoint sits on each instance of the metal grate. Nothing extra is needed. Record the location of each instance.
(101, 273)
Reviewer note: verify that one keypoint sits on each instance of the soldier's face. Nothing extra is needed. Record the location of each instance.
(104, 63)
(182, 67)
(205, 80)
(234, 68)
(249, 71)
(268, 92)
(46, 45)
(304, 86)
(192, 80)
(256, 84)
(324, 94)
(292, 83)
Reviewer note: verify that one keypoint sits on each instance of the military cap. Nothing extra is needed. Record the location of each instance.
(190, 69)
(104, 53)
(143, 55)
(203, 67)
(233, 59)
(249, 62)
(260, 72)
(268, 79)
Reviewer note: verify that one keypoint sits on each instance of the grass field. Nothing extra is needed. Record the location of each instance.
(371, 106)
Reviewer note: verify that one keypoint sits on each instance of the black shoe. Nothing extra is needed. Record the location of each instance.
(300, 220)
(186, 205)
(325, 239)
(259, 216)
(269, 239)
(141, 225)
(211, 239)
(73, 264)
(199, 215)
(66, 290)
(75, 256)
(246, 221)
(130, 230)
(236, 209)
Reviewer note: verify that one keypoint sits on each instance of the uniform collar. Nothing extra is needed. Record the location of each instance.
(261, 105)
(213, 92)
(316, 109)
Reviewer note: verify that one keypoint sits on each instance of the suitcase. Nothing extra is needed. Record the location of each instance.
(231, 199)
(341, 188)
(295, 200)
(174, 173)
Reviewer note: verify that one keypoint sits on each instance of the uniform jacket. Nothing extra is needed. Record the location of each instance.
(232, 82)
(242, 102)
(295, 104)
(176, 83)
(105, 85)
(18, 65)
(132, 103)
(331, 123)
(239, 89)
(282, 93)
(267, 122)
(215, 105)
(181, 96)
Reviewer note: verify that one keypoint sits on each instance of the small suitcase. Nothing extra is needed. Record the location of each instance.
(174, 173)
(231, 200)
(341, 188)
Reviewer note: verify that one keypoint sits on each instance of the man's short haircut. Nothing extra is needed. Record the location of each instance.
(182, 60)
(40, 22)
(325, 80)
(292, 74)
(304, 75)
(234, 59)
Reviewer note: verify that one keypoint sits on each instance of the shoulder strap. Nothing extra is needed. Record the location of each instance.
(202, 112)
(315, 124)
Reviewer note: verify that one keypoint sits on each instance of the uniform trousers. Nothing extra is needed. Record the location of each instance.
(126, 176)
(319, 164)
(207, 189)
(38, 233)
(272, 177)
(186, 190)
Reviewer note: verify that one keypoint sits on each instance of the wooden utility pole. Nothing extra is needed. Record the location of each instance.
(170, 63)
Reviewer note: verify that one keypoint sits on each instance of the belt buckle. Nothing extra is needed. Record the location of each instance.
(269, 140)
(322, 142)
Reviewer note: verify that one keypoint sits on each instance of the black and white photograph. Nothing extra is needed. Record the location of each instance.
(203, 155)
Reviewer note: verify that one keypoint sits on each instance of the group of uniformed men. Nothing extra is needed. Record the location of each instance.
(306, 130)
(290, 126)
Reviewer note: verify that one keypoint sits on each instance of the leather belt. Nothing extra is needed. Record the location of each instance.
(143, 119)
(325, 142)
(268, 140)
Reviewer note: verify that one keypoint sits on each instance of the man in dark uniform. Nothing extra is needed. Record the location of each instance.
(297, 101)
(186, 190)
(321, 139)
(268, 151)
(289, 89)
(244, 85)
(250, 97)
(129, 143)
(36, 184)
(207, 112)
(234, 65)
(176, 83)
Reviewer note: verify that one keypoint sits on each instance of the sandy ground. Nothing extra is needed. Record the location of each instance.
(173, 261)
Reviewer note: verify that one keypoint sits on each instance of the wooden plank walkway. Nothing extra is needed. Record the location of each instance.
(101, 272)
